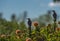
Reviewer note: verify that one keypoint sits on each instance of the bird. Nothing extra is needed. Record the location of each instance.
(29, 22)
(56, 0)
(54, 14)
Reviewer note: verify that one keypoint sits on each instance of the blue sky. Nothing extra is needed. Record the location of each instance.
(33, 7)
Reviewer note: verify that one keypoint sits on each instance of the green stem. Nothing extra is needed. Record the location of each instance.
(30, 31)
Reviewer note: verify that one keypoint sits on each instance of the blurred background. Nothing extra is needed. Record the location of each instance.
(34, 8)
(17, 11)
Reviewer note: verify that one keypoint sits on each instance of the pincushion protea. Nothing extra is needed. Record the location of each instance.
(57, 29)
(28, 39)
(35, 23)
(37, 28)
(18, 31)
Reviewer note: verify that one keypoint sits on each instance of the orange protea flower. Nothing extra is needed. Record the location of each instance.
(28, 39)
(18, 31)
(2, 36)
(35, 23)
(57, 29)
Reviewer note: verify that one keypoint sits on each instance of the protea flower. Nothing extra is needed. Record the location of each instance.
(28, 39)
(18, 31)
(36, 27)
(58, 29)
(35, 23)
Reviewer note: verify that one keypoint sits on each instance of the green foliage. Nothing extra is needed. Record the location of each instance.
(40, 33)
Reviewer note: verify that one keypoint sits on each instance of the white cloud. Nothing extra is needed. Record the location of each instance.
(53, 4)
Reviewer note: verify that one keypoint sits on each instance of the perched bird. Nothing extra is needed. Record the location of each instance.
(55, 18)
(56, 0)
(54, 15)
(29, 22)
